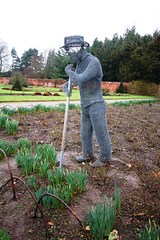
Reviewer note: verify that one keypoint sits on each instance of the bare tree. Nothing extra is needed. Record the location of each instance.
(36, 68)
(3, 55)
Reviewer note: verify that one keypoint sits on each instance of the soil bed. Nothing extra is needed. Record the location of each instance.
(135, 168)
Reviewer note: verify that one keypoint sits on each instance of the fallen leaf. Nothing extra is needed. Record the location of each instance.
(50, 223)
(129, 165)
(140, 214)
(114, 235)
(88, 228)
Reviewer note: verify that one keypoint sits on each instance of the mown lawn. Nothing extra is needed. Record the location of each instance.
(27, 95)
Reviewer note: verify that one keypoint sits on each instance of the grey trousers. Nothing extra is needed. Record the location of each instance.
(93, 118)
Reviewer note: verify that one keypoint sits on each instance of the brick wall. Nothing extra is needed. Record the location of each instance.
(46, 82)
(4, 80)
(112, 86)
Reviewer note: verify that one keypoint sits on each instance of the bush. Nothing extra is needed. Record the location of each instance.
(47, 94)
(17, 86)
(56, 94)
(18, 76)
(141, 87)
(37, 93)
(18, 81)
(126, 88)
(30, 84)
(105, 92)
(120, 88)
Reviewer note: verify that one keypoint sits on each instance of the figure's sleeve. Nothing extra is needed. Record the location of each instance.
(93, 70)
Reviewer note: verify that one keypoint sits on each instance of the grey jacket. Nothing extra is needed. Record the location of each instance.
(88, 76)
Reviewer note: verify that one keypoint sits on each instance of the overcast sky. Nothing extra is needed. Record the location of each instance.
(43, 24)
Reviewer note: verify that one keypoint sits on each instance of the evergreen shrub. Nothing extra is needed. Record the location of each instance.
(120, 88)
(17, 86)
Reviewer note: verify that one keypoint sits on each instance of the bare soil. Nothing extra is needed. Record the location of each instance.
(135, 168)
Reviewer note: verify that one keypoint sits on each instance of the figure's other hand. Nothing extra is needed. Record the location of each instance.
(69, 69)
(65, 89)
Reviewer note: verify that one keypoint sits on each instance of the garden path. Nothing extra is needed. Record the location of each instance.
(50, 103)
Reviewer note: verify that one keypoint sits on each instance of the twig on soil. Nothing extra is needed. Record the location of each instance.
(9, 168)
(49, 194)
(45, 224)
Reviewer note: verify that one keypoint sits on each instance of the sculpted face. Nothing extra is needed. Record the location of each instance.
(74, 54)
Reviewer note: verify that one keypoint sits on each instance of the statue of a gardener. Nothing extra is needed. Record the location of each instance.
(88, 76)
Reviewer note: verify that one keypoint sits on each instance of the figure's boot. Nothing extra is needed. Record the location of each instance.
(84, 157)
(99, 163)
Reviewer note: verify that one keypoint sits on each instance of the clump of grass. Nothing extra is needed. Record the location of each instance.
(4, 235)
(149, 233)
(3, 119)
(56, 177)
(24, 143)
(101, 218)
(29, 162)
(47, 152)
(77, 180)
(8, 111)
(25, 161)
(43, 108)
(62, 107)
(65, 186)
(32, 182)
(22, 110)
(11, 127)
(128, 103)
(72, 106)
(41, 160)
(38, 107)
(44, 167)
(8, 147)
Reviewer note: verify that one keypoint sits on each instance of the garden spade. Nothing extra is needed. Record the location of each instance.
(65, 123)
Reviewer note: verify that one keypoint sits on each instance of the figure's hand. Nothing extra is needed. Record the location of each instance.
(69, 69)
(65, 89)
